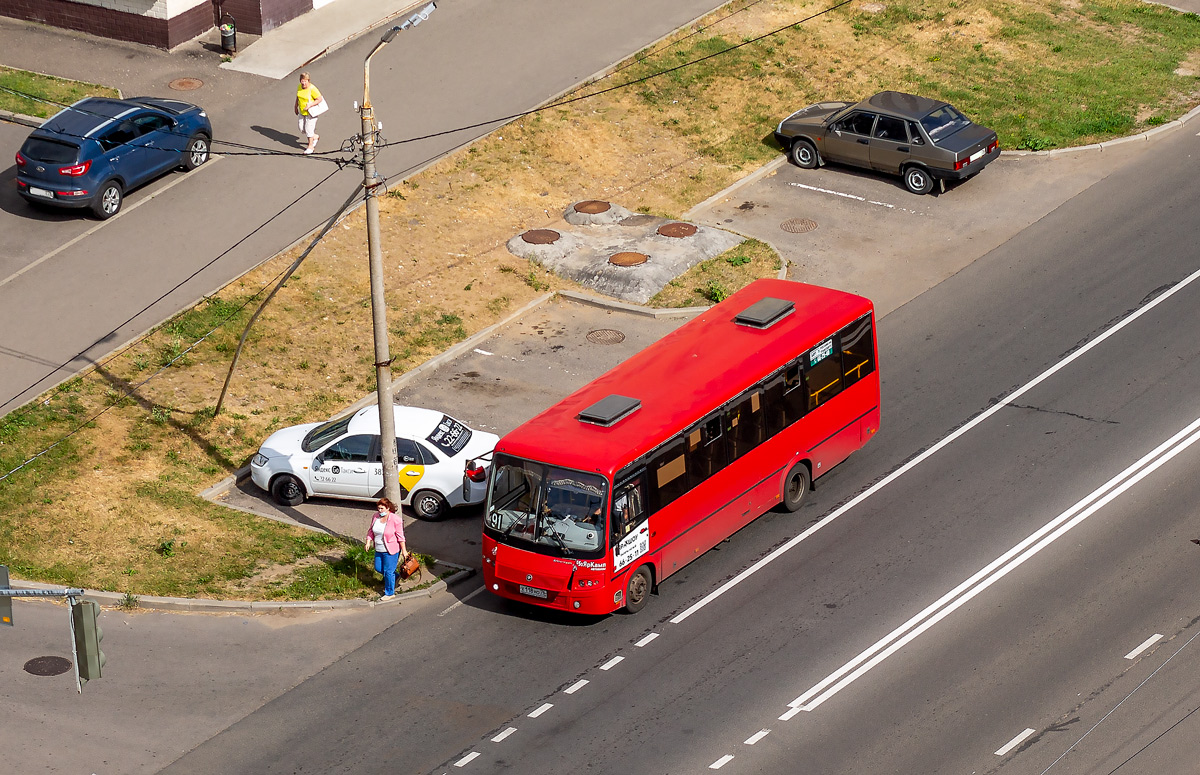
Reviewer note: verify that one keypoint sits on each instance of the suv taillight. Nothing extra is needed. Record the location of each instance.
(20, 159)
(76, 170)
(475, 471)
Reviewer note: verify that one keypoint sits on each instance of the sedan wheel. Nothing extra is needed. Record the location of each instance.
(108, 202)
(197, 151)
(429, 505)
(918, 180)
(287, 491)
(804, 155)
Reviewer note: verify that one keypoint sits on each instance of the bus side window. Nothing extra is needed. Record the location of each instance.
(795, 401)
(773, 407)
(668, 475)
(627, 510)
(858, 350)
(744, 423)
(705, 452)
(823, 372)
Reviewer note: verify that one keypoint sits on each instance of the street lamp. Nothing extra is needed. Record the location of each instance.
(383, 360)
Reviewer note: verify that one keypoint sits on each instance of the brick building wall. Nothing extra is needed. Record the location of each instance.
(160, 23)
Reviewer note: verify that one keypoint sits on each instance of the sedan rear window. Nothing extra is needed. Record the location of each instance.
(450, 436)
(943, 122)
(51, 151)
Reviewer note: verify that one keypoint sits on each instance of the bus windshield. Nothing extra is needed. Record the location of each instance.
(548, 509)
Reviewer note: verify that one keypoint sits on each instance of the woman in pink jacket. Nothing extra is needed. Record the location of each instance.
(386, 537)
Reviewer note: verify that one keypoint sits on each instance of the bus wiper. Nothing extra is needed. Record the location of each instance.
(513, 524)
(559, 540)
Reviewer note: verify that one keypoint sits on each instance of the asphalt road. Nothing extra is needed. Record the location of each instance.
(476, 62)
(1057, 638)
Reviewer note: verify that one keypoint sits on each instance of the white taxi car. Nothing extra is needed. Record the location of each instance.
(341, 459)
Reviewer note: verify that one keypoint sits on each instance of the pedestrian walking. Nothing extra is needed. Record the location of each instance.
(386, 536)
(309, 105)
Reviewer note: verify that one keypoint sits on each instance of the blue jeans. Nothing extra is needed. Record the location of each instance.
(386, 564)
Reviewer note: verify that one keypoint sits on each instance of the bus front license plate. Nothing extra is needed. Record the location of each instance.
(533, 591)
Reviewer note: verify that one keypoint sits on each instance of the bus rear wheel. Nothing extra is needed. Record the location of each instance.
(796, 487)
(637, 589)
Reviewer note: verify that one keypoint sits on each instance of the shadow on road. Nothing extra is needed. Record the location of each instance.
(283, 138)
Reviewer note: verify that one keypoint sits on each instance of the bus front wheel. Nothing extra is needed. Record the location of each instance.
(637, 590)
(796, 486)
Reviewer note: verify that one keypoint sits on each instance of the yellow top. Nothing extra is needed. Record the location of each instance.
(306, 97)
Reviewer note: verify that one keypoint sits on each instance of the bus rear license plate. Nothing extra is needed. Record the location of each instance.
(533, 592)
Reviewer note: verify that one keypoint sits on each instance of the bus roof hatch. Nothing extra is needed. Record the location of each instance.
(765, 313)
(610, 410)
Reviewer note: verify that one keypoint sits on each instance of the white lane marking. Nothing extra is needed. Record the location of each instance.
(1011, 744)
(791, 712)
(547, 706)
(1145, 645)
(719, 763)
(463, 762)
(504, 734)
(482, 352)
(582, 682)
(759, 735)
(460, 602)
(946, 441)
(998, 568)
(102, 224)
(646, 639)
(610, 664)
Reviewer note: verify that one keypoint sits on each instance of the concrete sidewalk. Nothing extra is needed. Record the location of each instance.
(291, 46)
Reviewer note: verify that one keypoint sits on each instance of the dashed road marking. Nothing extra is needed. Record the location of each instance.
(504, 734)
(719, 763)
(1145, 645)
(759, 735)
(547, 706)
(463, 762)
(1011, 744)
(646, 639)
(855, 197)
(582, 682)
(610, 664)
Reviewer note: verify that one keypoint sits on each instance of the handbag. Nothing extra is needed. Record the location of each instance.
(411, 565)
(317, 108)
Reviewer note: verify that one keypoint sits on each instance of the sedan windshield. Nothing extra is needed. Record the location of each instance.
(944, 122)
(550, 510)
(325, 433)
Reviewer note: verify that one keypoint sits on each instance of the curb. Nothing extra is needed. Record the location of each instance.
(33, 122)
(202, 605)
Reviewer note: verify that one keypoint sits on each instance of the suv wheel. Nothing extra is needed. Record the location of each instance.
(108, 202)
(197, 151)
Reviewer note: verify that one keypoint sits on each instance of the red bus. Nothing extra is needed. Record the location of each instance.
(599, 498)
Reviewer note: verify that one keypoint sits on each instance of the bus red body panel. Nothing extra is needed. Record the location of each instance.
(704, 427)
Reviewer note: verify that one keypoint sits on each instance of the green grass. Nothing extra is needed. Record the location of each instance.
(49, 93)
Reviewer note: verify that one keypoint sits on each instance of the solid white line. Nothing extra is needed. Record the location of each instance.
(646, 639)
(999, 568)
(102, 224)
(1145, 645)
(504, 734)
(482, 352)
(719, 763)
(828, 191)
(759, 735)
(611, 663)
(463, 762)
(460, 602)
(1011, 744)
(582, 682)
(541, 710)
(946, 441)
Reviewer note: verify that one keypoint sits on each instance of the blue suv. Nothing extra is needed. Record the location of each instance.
(90, 154)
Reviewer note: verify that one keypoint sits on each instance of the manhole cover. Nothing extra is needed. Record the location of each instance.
(628, 259)
(540, 236)
(592, 207)
(798, 225)
(47, 666)
(605, 336)
(186, 84)
(677, 229)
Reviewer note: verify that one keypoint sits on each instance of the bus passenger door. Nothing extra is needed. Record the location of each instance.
(630, 525)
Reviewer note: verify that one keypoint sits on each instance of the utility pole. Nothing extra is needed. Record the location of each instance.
(383, 359)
